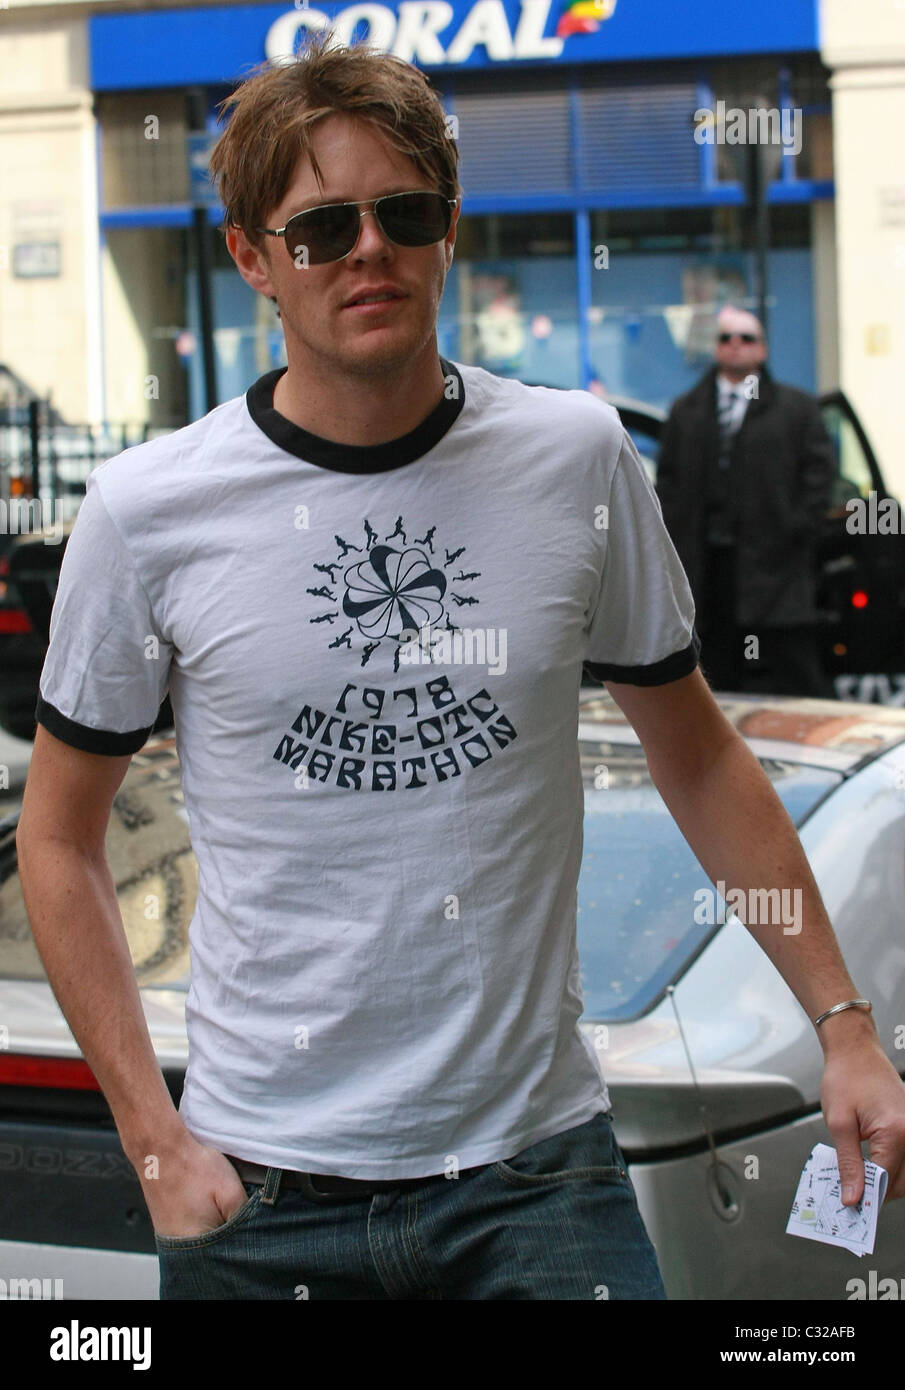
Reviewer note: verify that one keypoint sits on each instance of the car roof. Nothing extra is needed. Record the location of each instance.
(658, 413)
(631, 405)
(835, 734)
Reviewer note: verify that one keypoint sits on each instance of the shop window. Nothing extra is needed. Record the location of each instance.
(655, 297)
(636, 136)
(767, 84)
(143, 149)
(510, 304)
(514, 142)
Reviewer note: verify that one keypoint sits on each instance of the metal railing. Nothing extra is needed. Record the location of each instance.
(46, 459)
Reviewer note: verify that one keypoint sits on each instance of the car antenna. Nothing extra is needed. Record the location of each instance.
(725, 1196)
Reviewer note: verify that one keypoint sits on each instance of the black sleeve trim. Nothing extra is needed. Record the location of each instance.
(671, 668)
(87, 739)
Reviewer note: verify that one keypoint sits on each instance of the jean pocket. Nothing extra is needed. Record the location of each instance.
(586, 1153)
(237, 1218)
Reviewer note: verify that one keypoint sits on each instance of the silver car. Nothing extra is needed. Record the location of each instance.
(713, 1068)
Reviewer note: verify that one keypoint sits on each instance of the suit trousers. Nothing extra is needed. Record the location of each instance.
(781, 661)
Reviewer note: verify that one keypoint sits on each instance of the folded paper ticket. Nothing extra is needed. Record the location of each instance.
(818, 1213)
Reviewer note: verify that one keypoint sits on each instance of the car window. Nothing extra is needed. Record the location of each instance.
(647, 447)
(636, 927)
(637, 909)
(853, 475)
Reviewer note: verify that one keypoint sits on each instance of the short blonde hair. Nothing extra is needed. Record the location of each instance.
(275, 109)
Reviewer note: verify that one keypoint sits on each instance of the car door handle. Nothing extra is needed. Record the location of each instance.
(844, 562)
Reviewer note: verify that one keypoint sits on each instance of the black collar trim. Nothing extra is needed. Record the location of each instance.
(353, 458)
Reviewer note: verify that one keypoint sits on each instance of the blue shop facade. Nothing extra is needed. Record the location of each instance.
(606, 211)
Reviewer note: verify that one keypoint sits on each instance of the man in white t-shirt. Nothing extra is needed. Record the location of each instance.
(369, 587)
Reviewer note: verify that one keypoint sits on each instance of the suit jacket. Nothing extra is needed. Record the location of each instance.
(780, 483)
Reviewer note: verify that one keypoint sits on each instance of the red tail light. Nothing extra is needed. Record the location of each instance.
(61, 1073)
(15, 620)
(859, 599)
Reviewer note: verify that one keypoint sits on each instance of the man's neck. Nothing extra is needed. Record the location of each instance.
(361, 409)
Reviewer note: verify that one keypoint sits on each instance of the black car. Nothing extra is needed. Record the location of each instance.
(861, 581)
(29, 571)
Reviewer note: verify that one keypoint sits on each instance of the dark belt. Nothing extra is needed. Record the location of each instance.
(327, 1187)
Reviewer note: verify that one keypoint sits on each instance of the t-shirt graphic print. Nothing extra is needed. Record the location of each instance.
(373, 655)
(398, 598)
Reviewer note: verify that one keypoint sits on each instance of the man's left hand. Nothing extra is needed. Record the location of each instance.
(863, 1097)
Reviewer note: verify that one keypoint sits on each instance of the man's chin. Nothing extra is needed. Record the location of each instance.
(377, 353)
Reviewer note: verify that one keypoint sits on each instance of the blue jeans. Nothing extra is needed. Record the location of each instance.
(558, 1220)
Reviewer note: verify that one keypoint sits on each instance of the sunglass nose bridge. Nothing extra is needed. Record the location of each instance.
(363, 212)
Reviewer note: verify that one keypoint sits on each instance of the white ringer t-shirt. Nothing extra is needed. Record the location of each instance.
(384, 965)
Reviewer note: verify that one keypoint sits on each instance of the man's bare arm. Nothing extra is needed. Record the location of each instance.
(72, 906)
(75, 919)
(731, 816)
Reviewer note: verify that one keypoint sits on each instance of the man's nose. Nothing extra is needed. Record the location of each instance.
(371, 236)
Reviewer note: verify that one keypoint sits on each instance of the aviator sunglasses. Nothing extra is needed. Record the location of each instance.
(745, 337)
(330, 232)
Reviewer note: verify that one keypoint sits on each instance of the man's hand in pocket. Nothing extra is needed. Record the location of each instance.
(196, 1188)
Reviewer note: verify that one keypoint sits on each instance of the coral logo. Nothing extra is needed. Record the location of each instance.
(418, 32)
(584, 17)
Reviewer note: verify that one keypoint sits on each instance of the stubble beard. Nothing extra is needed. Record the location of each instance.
(386, 361)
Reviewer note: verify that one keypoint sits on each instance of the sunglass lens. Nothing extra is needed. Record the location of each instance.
(414, 219)
(322, 234)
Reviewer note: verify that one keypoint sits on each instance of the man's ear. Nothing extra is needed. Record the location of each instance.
(252, 262)
(451, 244)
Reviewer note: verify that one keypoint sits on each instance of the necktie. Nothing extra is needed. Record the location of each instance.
(726, 421)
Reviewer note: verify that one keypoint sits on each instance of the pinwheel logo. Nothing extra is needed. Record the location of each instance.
(393, 591)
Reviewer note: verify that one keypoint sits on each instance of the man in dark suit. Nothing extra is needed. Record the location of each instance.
(744, 479)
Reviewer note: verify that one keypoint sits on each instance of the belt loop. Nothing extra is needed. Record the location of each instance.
(271, 1186)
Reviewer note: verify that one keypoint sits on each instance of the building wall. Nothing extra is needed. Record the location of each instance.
(84, 338)
(144, 378)
(864, 45)
(143, 164)
(50, 327)
(826, 303)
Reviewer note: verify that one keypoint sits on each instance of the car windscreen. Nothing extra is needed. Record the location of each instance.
(636, 905)
(640, 923)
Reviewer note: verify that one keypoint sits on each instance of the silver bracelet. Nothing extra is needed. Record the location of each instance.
(837, 1008)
